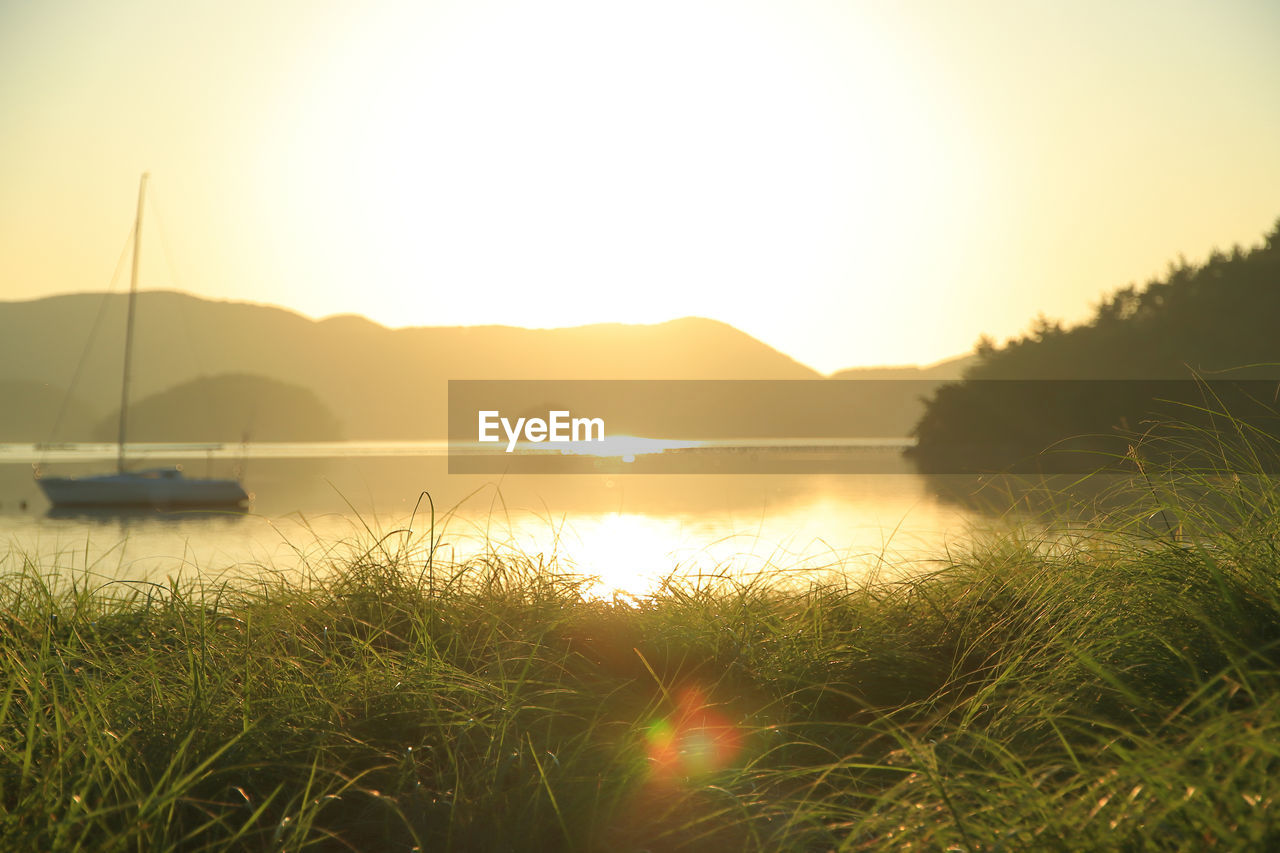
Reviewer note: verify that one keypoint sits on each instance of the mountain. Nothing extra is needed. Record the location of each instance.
(227, 408)
(39, 411)
(380, 383)
(948, 370)
(895, 396)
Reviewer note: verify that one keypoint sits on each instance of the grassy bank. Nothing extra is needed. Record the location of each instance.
(1117, 689)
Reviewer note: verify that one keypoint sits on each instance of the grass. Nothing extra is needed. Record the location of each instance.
(1117, 688)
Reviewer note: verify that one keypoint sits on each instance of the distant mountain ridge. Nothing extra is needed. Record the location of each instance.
(380, 383)
(29, 411)
(227, 407)
(947, 370)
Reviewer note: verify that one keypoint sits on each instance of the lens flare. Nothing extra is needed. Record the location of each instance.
(694, 741)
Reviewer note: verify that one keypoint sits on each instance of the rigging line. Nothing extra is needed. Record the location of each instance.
(88, 346)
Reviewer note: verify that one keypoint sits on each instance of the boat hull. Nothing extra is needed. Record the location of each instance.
(162, 489)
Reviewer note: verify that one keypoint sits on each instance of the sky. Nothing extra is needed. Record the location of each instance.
(854, 182)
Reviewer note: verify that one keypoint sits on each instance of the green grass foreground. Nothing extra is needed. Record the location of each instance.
(1116, 689)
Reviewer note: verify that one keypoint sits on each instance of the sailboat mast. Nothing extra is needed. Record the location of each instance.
(128, 329)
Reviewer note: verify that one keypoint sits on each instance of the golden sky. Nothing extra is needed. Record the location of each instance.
(852, 182)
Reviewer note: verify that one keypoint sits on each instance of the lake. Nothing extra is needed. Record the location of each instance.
(318, 502)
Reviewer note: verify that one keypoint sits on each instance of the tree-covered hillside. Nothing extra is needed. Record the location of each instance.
(1219, 320)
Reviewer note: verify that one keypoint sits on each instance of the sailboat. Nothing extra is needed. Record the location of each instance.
(153, 487)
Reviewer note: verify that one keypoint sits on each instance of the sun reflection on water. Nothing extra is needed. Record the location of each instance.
(628, 554)
(626, 535)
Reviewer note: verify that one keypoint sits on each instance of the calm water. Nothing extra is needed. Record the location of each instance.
(311, 505)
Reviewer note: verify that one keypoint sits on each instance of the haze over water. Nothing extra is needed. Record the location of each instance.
(630, 531)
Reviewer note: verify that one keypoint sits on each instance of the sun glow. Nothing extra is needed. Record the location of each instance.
(850, 182)
(581, 162)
